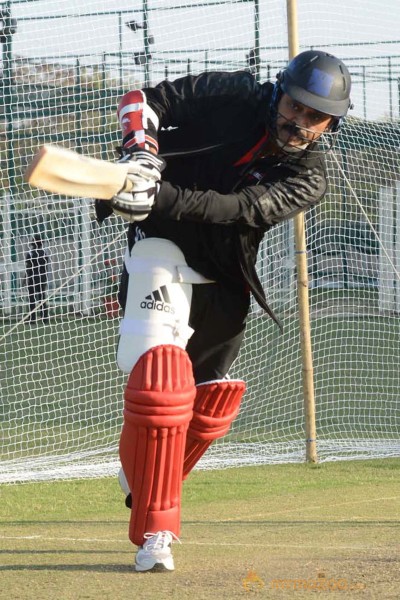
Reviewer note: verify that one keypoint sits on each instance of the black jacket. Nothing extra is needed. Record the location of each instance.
(218, 198)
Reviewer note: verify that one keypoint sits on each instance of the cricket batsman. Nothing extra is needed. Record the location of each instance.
(228, 159)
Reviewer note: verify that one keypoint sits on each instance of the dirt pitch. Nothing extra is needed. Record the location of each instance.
(266, 532)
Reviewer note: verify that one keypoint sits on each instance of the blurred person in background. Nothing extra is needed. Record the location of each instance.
(36, 273)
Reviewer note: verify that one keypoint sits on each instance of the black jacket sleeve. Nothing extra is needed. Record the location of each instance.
(192, 97)
(292, 190)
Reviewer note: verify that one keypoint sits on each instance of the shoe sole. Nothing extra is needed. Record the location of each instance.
(157, 568)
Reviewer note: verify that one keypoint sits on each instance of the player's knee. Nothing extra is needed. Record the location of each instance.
(160, 390)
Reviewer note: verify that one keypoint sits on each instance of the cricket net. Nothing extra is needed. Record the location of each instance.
(61, 391)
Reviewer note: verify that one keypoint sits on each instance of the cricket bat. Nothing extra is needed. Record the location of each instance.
(61, 171)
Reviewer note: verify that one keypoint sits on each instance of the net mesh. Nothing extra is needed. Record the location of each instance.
(64, 66)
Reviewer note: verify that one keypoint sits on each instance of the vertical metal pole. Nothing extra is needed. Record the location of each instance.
(103, 118)
(396, 243)
(146, 44)
(257, 57)
(390, 87)
(206, 61)
(77, 258)
(398, 96)
(8, 94)
(364, 92)
(86, 250)
(120, 49)
(6, 205)
(78, 224)
(8, 100)
(302, 283)
(77, 104)
(344, 216)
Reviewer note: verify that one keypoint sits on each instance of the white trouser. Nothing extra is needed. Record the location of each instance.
(158, 300)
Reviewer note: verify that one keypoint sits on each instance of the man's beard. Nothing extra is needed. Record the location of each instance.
(294, 135)
(287, 146)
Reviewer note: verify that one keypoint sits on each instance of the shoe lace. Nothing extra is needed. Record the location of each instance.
(158, 541)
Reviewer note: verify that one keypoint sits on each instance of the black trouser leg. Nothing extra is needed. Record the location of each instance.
(218, 316)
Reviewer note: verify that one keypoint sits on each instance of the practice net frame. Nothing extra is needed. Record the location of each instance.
(61, 391)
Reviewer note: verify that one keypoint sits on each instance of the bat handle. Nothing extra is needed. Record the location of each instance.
(127, 187)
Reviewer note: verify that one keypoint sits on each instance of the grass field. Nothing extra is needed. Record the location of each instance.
(285, 531)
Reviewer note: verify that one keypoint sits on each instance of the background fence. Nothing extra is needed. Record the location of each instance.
(64, 66)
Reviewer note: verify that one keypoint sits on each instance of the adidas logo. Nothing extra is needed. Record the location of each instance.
(158, 300)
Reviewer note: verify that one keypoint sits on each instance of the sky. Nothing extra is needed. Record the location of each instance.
(221, 33)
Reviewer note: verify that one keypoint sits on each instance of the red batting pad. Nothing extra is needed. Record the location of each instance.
(158, 407)
(215, 407)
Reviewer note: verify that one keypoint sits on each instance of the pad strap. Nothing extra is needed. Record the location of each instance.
(179, 273)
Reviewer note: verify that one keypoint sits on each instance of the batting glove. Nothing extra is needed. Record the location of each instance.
(135, 205)
(142, 162)
(143, 173)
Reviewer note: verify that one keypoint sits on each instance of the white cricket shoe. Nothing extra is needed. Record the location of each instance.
(155, 554)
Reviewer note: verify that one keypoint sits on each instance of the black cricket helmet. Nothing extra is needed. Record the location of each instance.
(318, 80)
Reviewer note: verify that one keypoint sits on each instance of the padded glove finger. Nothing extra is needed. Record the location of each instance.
(144, 163)
(136, 205)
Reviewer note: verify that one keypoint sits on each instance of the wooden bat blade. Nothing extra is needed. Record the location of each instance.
(61, 171)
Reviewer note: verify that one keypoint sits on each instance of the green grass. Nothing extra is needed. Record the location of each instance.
(60, 387)
(244, 531)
